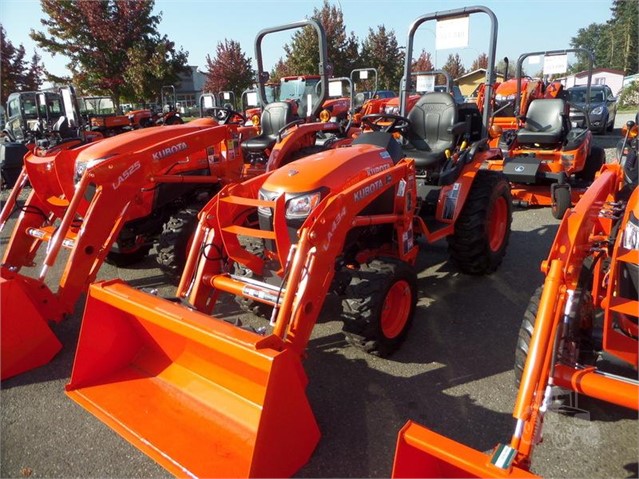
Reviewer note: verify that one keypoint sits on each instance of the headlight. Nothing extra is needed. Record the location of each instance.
(391, 110)
(631, 234)
(301, 206)
(598, 110)
(82, 166)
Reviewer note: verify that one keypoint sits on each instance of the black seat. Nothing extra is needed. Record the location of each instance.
(62, 128)
(383, 140)
(275, 116)
(431, 133)
(545, 123)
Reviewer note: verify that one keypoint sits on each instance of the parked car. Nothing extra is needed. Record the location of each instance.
(602, 107)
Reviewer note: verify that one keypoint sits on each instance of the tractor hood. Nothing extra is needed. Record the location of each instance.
(137, 140)
(333, 169)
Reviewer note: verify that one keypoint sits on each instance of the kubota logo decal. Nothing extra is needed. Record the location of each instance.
(126, 174)
(376, 169)
(368, 190)
(168, 151)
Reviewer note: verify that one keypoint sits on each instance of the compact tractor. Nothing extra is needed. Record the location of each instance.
(549, 162)
(114, 200)
(205, 396)
(107, 200)
(582, 320)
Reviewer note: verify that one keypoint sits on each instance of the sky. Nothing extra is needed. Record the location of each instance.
(197, 26)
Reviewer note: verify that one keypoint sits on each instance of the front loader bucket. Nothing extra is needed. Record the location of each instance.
(26, 340)
(423, 453)
(200, 396)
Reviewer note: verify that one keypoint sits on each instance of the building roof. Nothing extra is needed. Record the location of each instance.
(479, 71)
(600, 70)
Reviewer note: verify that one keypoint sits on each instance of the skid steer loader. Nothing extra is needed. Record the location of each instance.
(207, 397)
(586, 311)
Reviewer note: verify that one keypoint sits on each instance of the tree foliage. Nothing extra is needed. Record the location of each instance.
(230, 70)
(17, 73)
(423, 63)
(480, 62)
(110, 44)
(614, 43)
(381, 51)
(454, 66)
(303, 52)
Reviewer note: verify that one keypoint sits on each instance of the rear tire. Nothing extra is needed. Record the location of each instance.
(175, 241)
(525, 334)
(561, 202)
(482, 230)
(595, 160)
(379, 306)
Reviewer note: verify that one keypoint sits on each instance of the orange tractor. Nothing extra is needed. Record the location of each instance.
(112, 201)
(549, 162)
(205, 396)
(106, 200)
(586, 310)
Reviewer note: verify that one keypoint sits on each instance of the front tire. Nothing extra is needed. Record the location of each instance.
(175, 241)
(561, 202)
(482, 230)
(379, 306)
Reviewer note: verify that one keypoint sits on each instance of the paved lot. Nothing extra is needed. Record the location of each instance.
(453, 375)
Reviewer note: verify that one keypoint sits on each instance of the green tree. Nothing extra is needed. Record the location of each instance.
(614, 43)
(109, 43)
(423, 63)
(17, 74)
(303, 52)
(454, 66)
(281, 69)
(229, 70)
(381, 51)
(480, 62)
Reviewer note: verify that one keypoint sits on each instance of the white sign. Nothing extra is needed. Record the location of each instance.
(335, 88)
(534, 60)
(251, 98)
(425, 83)
(363, 75)
(555, 64)
(452, 33)
(208, 102)
(227, 95)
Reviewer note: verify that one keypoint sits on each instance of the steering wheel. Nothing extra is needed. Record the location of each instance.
(227, 115)
(397, 123)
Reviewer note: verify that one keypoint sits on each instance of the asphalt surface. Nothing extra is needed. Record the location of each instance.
(453, 375)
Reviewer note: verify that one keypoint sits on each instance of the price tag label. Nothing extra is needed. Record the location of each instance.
(451, 33)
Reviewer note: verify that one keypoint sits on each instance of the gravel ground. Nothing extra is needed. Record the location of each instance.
(453, 374)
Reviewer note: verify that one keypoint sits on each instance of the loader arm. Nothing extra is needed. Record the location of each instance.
(86, 217)
(231, 401)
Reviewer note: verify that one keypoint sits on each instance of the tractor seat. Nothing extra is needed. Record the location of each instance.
(545, 123)
(383, 140)
(62, 128)
(275, 116)
(430, 133)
